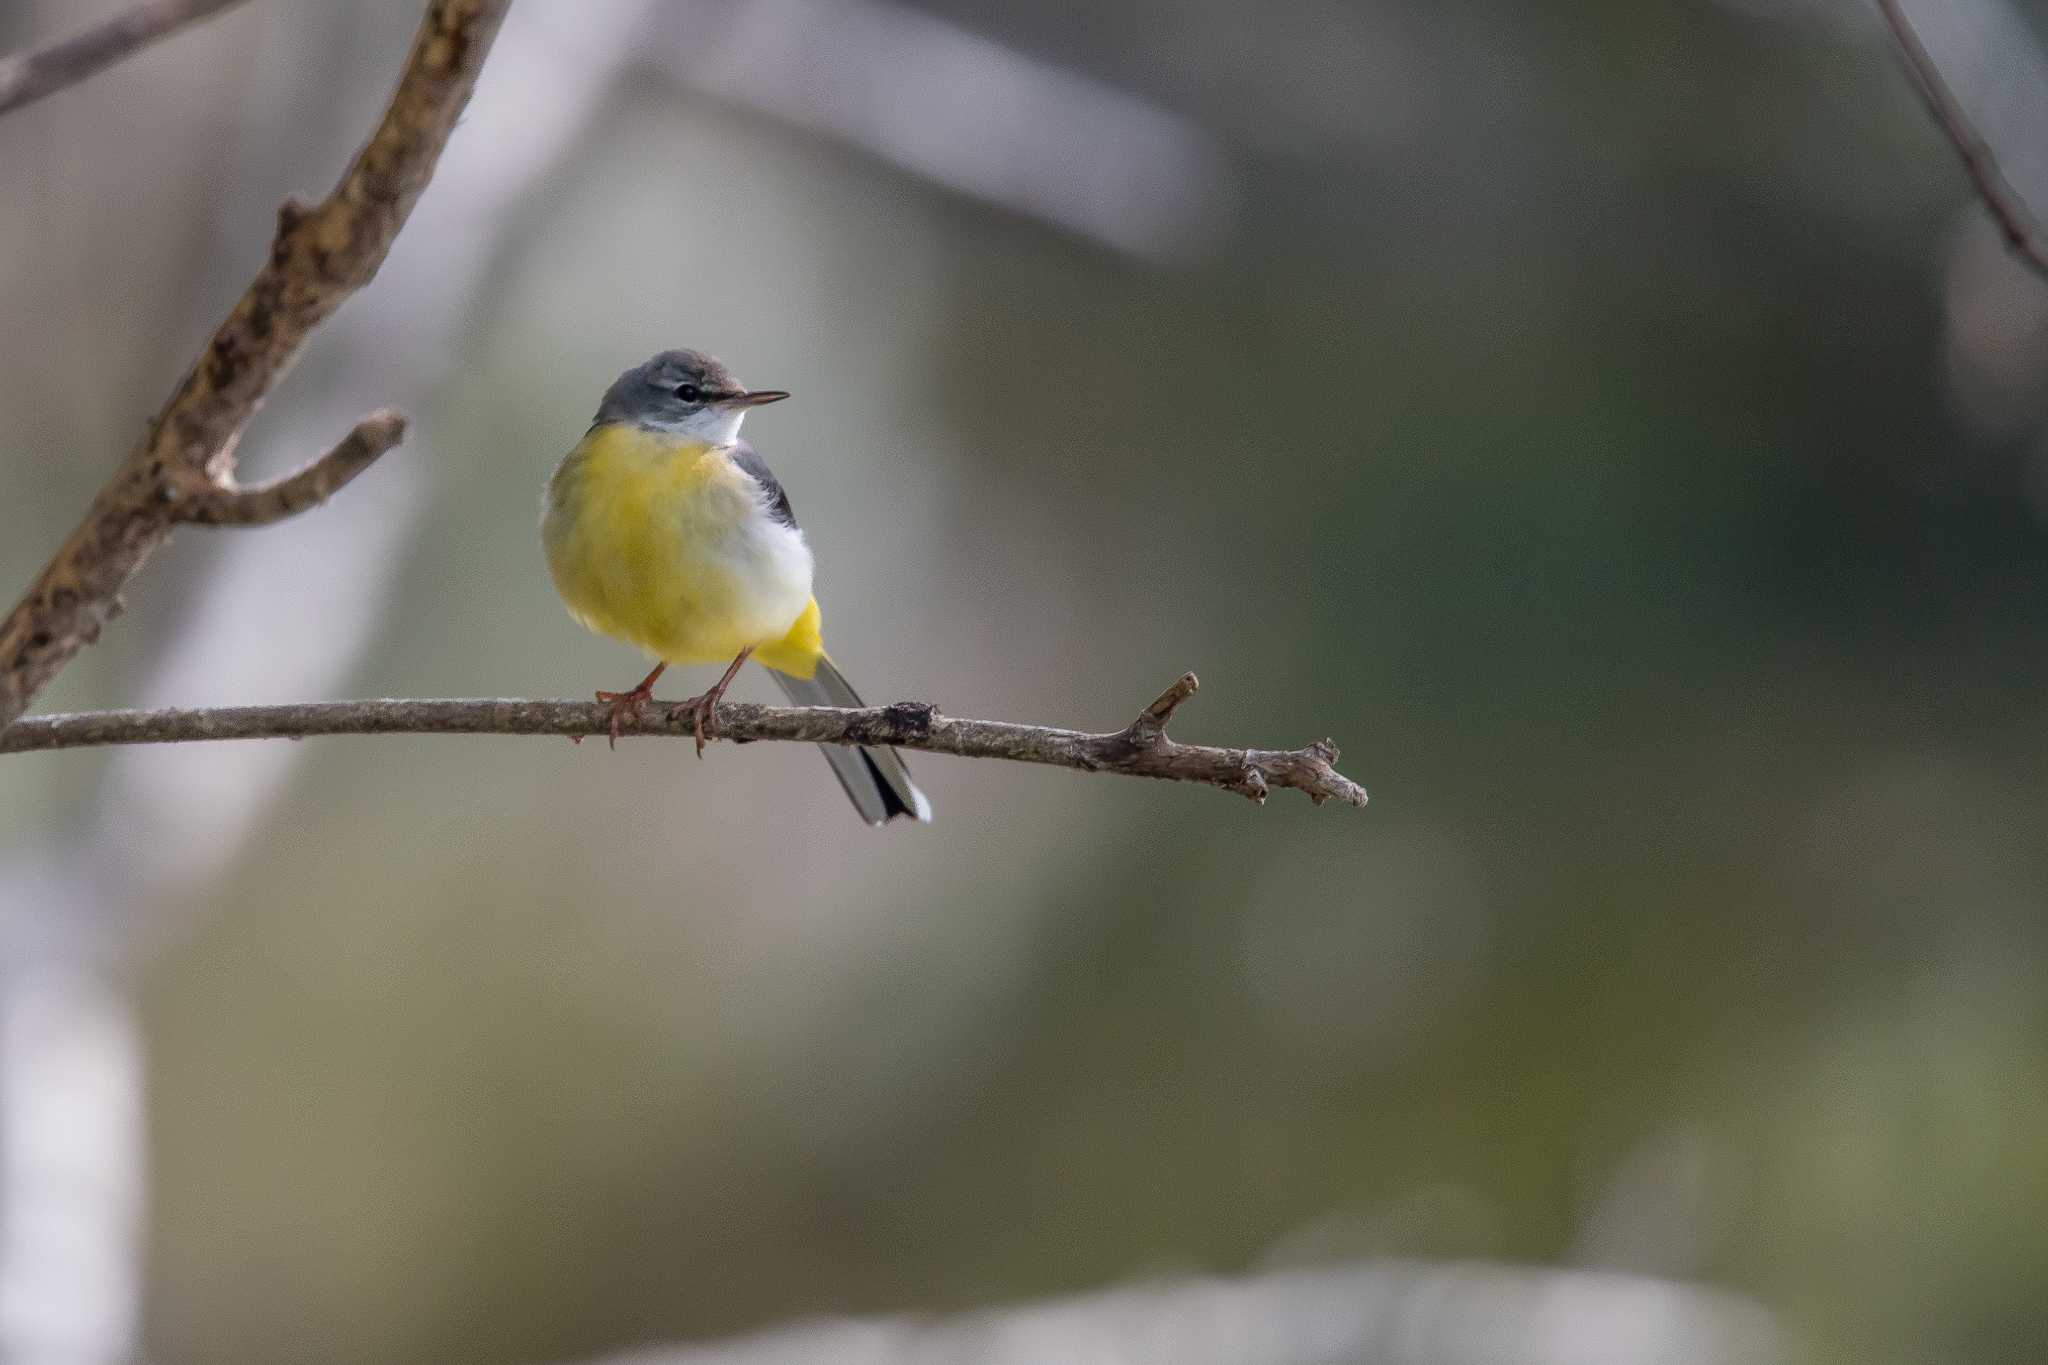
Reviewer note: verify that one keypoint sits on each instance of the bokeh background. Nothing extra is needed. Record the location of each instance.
(1615, 424)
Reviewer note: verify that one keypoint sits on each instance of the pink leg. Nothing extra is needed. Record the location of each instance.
(623, 702)
(703, 710)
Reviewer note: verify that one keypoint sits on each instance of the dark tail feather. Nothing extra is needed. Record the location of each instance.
(876, 780)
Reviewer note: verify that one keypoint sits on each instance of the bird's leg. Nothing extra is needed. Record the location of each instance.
(703, 710)
(623, 702)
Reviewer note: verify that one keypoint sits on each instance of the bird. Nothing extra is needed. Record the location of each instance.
(665, 530)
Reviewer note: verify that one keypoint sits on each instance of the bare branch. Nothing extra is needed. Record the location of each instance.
(2007, 209)
(28, 76)
(1152, 720)
(322, 254)
(308, 487)
(1139, 750)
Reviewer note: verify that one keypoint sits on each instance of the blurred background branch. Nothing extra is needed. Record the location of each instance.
(2005, 204)
(955, 107)
(28, 76)
(1377, 1312)
(1141, 749)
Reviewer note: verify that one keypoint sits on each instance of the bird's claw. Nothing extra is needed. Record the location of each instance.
(623, 703)
(703, 713)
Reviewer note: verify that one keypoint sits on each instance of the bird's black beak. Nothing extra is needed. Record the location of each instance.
(754, 398)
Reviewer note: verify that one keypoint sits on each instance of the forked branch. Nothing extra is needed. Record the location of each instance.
(264, 503)
(1140, 749)
(183, 470)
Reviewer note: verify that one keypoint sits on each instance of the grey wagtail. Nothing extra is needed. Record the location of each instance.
(665, 530)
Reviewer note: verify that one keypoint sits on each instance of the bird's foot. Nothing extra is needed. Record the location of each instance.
(703, 714)
(625, 704)
(703, 711)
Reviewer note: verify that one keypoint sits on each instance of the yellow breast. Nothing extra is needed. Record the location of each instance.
(666, 545)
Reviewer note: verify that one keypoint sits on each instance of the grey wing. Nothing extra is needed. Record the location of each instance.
(748, 459)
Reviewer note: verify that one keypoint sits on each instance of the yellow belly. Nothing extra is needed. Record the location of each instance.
(665, 546)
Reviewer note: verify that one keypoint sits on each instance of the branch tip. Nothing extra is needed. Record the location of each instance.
(264, 503)
(1151, 722)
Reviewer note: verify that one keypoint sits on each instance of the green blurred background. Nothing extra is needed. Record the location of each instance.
(1614, 424)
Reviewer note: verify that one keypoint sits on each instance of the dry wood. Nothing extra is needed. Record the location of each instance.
(1140, 749)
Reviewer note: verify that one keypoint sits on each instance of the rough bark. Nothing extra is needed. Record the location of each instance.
(1140, 749)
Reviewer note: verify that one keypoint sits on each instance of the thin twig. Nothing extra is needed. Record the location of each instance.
(1141, 749)
(2007, 209)
(308, 487)
(26, 77)
(321, 254)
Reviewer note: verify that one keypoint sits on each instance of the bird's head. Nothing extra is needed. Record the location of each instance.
(684, 393)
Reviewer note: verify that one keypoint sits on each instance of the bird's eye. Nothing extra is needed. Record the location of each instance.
(689, 393)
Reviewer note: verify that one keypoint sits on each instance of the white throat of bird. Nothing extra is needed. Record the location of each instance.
(714, 424)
